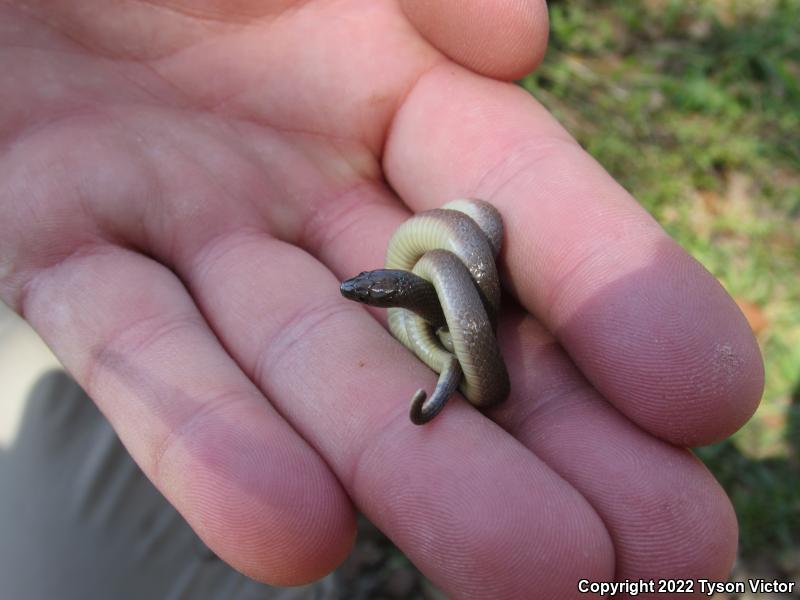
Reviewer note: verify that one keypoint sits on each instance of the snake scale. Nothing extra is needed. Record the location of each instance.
(443, 293)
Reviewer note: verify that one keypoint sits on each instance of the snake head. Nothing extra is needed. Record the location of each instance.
(395, 288)
(376, 288)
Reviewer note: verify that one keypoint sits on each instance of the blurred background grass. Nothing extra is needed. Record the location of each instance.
(695, 108)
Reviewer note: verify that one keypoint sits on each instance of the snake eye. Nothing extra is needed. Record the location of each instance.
(381, 295)
(380, 291)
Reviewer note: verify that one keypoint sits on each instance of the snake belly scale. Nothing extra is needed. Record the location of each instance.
(443, 293)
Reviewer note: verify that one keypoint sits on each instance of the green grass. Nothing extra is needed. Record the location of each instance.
(695, 108)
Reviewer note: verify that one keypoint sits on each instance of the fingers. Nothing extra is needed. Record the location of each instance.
(647, 325)
(504, 40)
(256, 493)
(479, 514)
(665, 513)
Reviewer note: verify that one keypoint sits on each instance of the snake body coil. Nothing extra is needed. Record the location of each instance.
(443, 293)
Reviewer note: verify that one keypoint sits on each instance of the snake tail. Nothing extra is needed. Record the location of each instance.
(423, 410)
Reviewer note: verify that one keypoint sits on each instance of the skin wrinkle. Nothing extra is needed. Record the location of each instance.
(290, 333)
(331, 138)
(484, 186)
(569, 263)
(581, 261)
(155, 215)
(524, 157)
(186, 97)
(112, 233)
(199, 265)
(210, 16)
(104, 52)
(194, 161)
(27, 130)
(205, 408)
(32, 275)
(355, 473)
(331, 218)
(258, 82)
(137, 235)
(358, 477)
(98, 48)
(401, 101)
(181, 98)
(24, 132)
(220, 104)
(215, 249)
(26, 10)
(81, 201)
(217, 104)
(546, 405)
(106, 356)
(297, 232)
(286, 524)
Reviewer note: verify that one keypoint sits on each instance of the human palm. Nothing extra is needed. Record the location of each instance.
(184, 183)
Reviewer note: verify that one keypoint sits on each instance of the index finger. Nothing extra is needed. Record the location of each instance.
(647, 325)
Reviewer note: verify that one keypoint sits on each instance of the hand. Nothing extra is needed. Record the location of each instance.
(184, 184)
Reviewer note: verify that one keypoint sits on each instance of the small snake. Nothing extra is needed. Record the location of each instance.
(443, 293)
